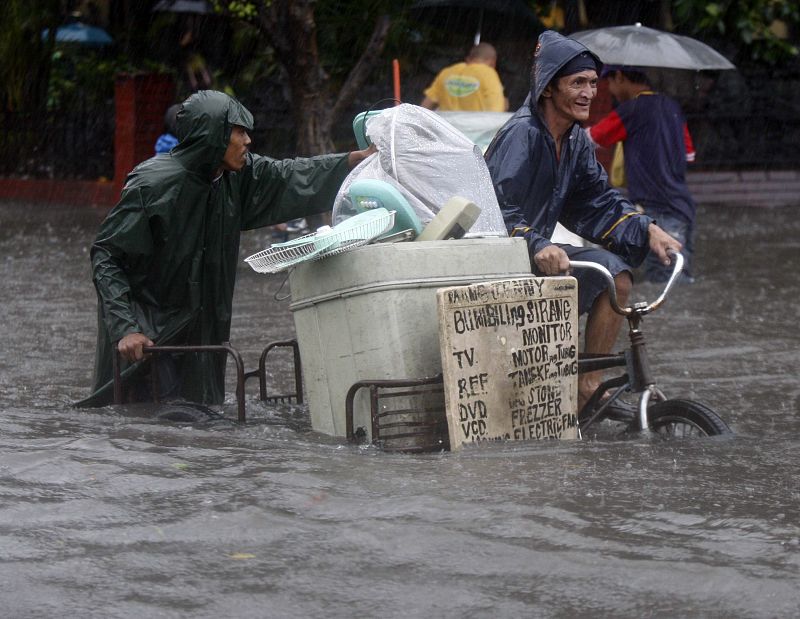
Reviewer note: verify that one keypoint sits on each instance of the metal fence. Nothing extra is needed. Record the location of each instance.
(746, 123)
(765, 141)
(66, 144)
(740, 120)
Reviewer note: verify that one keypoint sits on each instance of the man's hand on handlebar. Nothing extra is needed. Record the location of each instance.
(130, 346)
(552, 260)
(662, 243)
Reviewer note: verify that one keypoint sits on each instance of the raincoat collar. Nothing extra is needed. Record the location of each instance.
(553, 51)
(205, 121)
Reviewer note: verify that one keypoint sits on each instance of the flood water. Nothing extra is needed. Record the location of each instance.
(106, 513)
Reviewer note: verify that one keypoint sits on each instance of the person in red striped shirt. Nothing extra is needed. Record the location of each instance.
(657, 148)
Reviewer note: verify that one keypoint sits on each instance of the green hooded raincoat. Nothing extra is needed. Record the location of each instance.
(165, 258)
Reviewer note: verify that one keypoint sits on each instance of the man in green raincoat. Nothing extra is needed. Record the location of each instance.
(165, 258)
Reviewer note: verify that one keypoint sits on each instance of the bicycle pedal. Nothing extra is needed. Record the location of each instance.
(620, 411)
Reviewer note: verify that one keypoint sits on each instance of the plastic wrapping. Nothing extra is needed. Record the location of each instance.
(428, 161)
(480, 127)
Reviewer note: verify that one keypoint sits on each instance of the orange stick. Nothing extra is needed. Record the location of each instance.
(396, 75)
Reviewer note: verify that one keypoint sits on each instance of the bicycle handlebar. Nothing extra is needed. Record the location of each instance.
(639, 308)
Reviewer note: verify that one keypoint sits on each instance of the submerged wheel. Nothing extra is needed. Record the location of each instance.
(184, 412)
(685, 418)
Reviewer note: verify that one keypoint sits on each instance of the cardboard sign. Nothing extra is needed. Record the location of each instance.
(510, 359)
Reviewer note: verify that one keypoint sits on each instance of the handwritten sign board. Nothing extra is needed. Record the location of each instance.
(510, 359)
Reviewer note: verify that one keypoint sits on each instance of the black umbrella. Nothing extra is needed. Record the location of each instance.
(201, 7)
(472, 12)
(645, 47)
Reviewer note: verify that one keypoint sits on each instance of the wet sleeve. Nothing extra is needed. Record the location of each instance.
(599, 213)
(608, 131)
(687, 140)
(124, 243)
(274, 191)
(510, 165)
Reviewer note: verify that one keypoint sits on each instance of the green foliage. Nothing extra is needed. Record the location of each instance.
(87, 75)
(343, 30)
(36, 73)
(257, 60)
(24, 53)
(749, 24)
(240, 10)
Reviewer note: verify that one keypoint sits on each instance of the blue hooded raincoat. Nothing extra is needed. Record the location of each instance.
(535, 190)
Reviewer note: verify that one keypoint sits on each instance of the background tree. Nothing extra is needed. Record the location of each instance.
(759, 30)
(25, 57)
(322, 79)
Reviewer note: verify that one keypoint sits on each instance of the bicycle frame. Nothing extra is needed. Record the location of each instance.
(638, 377)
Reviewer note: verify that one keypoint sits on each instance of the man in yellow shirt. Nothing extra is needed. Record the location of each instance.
(472, 85)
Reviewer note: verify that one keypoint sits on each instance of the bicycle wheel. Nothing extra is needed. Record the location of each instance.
(685, 418)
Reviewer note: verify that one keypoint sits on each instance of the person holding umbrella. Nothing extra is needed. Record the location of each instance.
(657, 148)
(544, 171)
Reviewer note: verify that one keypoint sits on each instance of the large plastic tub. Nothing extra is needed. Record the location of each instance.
(370, 314)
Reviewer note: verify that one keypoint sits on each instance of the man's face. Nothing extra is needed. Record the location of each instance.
(236, 153)
(572, 95)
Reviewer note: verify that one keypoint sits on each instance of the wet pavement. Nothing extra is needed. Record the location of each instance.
(107, 513)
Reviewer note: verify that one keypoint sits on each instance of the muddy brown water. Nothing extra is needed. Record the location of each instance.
(107, 513)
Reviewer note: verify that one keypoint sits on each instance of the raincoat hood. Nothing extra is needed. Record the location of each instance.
(205, 122)
(553, 51)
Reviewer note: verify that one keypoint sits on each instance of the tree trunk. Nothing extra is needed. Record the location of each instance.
(291, 29)
(665, 15)
(308, 81)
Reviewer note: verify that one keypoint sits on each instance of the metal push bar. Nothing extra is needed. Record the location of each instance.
(241, 375)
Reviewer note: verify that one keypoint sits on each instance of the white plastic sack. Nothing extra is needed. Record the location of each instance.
(429, 162)
(480, 127)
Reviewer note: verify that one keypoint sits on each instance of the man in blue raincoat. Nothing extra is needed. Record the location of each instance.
(544, 171)
(164, 260)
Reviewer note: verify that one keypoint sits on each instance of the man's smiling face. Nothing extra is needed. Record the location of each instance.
(572, 95)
